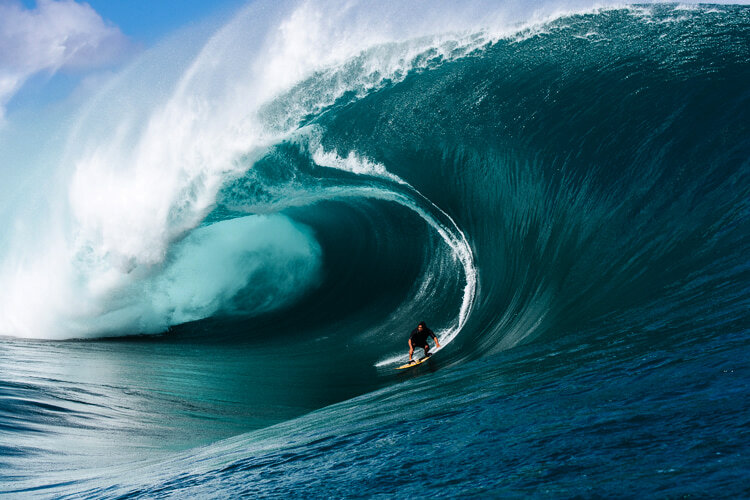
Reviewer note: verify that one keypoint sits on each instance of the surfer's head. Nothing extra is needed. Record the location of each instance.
(421, 325)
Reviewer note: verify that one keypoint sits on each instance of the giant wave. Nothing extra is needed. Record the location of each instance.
(566, 184)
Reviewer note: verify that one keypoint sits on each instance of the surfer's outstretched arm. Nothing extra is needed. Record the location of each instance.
(437, 344)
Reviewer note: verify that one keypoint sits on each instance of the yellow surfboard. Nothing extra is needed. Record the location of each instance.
(413, 363)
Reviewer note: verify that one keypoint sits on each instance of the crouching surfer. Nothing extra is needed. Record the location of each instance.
(418, 338)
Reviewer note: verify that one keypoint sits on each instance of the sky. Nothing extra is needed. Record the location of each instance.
(48, 48)
(149, 20)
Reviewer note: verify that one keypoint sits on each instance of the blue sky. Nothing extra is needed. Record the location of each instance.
(48, 47)
(149, 20)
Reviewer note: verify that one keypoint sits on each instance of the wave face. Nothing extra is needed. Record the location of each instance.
(565, 202)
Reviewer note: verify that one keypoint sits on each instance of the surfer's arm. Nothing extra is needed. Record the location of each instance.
(411, 350)
(437, 344)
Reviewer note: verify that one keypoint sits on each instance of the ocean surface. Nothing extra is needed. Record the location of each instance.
(210, 271)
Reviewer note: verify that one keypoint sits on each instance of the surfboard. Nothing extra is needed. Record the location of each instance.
(413, 363)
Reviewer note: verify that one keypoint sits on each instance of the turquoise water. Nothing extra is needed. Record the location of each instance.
(565, 204)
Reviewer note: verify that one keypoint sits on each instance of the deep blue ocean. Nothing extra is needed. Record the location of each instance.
(210, 275)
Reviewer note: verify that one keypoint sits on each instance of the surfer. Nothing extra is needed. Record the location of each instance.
(418, 338)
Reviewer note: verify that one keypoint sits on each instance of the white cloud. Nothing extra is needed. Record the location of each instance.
(55, 35)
